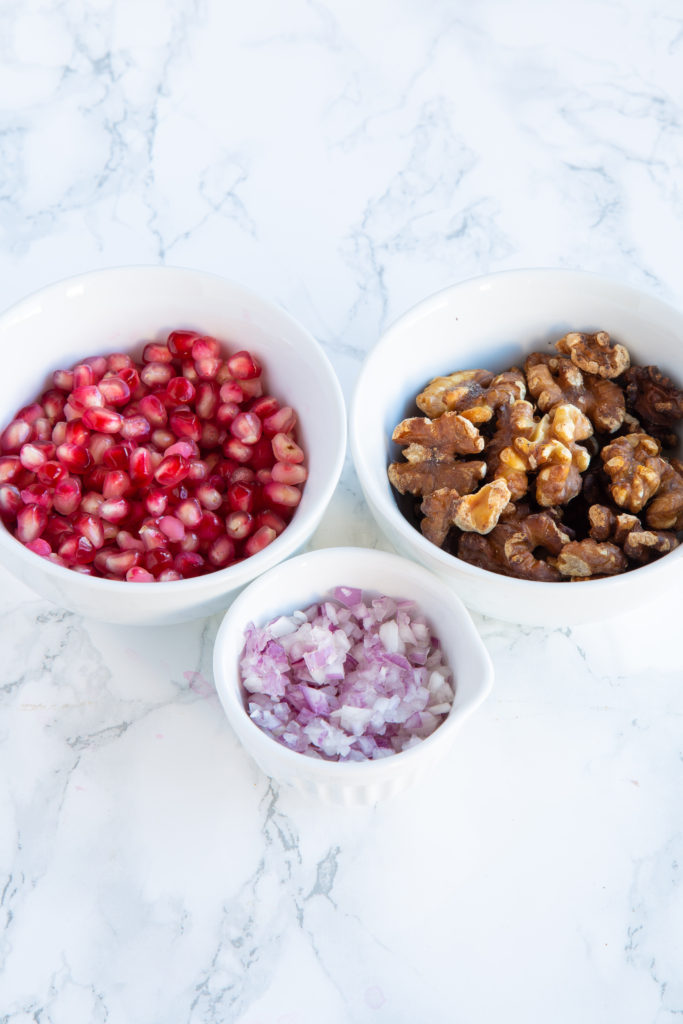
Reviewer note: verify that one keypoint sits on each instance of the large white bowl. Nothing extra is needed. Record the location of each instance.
(296, 584)
(118, 310)
(493, 322)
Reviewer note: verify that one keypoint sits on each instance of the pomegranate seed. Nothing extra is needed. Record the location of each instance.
(90, 503)
(90, 527)
(207, 400)
(83, 570)
(286, 450)
(264, 407)
(188, 449)
(190, 541)
(237, 450)
(246, 427)
(222, 551)
(205, 347)
(180, 342)
(189, 371)
(231, 392)
(59, 432)
(240, 497)
(210, 526)
(189, 511)
(172, 527)
(132, 378)
(180, 390)
(156, 375)
(116, 484)
(10, 468)
(282, 494)
(136, 574)
(115, 390)
(184, 423)
(289, 473)
(140, 467)
(75, 457)
(10, 499)
(114, 510)
(84, 375)
(31, 457)
(162, 438)
(76, 432)
(127, 542)
(39, 546)
(281, 422)
(116, 562)
(156, 502)
(262, 456)
(118, 361)
(260, 539)
(226, 412)
(98, 365)
(243, 366)
(42, 429)
(239, 525)
(50, 473)
(15, 435)
(188, 563)
(208, 496)
(63, 380)
(156, 353)
(242, 475)
(171, 471)
(136, 428)
(207, 368)
(154, 410)
(37, 494)
(67, 495)
(77, 550)
(252, 388)
(168, 575)
(117, 457)
(158, 560)
(266, 517)
(53, 404)
(87, 397)
(30, 413)
(105, 421)
(152, 537)
(31, 521)
(98, 445)
(199, 470)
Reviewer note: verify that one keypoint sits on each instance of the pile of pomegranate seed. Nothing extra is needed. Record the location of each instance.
(161, 470)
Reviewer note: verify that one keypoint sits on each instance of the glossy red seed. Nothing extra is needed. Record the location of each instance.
(207, 368)
(180, 342)
(260, 539)
(77, 550)
(67, 495)
(239, 525)
(156, 502)
(37, 494)
(30, 413)
(226, 412)
(53, 402)
(31, 457)
(84, 375)
(285, 449)
(209, 527)
(117, 484)
(189, 512)
(188, 563)
(154, 410)
(240, 497)
(158, 559)
(281, 422)
(156, 353)
(76, 432)
(118, 361)
(281, 494)
(199, 470)
(262, 456)
(98, 365)
(136, 574)
(98, 445)
(115, 390)
(162, 438)
(156, 375)
(136, 428)
(209, 497)
(10, 499)
(289, 473)
(31, 521)
(206, 400)
(187, 448)
(118, 456)
(168, 576)
(87, 397)
(180, 390)
(51, 472)
(90, 503)
(172, 527)
(63, 380)
(205, 346)
(10, 468)
(252, 388)
(222, 551)
(132, 378)
(246, 427)
(237, 450)
(266, 517)
(105, 421)
(264, 406)
(114, 510)
(75, 457)
(90, 527)
(109, 560)
(15, 435)
(171, 471)
(39, 546)
(190, 541)
(231, 391)
(243, 366)
(152, 537)
(185, 423)
(140, 467)
(128, 542)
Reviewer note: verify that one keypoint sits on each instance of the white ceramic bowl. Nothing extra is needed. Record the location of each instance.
(118, 310)
(493, 322)
(299, 582)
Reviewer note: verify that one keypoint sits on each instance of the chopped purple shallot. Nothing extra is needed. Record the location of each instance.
(354, 677)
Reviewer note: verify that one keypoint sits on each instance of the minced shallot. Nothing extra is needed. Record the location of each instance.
(353, 677)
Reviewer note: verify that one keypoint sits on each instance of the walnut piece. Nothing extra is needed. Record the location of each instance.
(438, 440)
(475, 394)
(595, 353)
(422, 478)
(513, 546)
(635, 469)
(665, 511)
(654, 397)
(627, 532)
(590, 557)
(477, 512)
(553, 380)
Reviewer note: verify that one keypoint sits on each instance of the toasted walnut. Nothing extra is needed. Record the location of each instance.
(590, 557)
(654, 397)
(438, 440)
(635, 469)
(473, 512)
(646, 545)
(503, 461)
(665, 511)
(421, 478)
(513, 546)
(475, 394)
(595, 353)
(554, 380)
(627, 532)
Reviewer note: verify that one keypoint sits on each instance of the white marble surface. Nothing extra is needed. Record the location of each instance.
(345, 159)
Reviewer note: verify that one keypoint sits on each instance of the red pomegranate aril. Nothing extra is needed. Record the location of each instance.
(31, 521)
(87, 397)
(262, 456)
(83, 570)
(207, 368)
(31, 456)
(188, 563)
(39, 546)
(136, 428)
(206, 401)
(118, 361)
(156, 502)
(154, 410)
(37, 494)
(264, 406)
(285, 449)
(189, 512)
(168, 576)
(30, 413)
(132, 378)
(117, 484)
(246, 427)
(199, 470)
(231, 391)
(53, 402)
(180, 342)
(221, 552)
(98, 365)
(10, 499)
(260, 539)
(162, 438)
(51, 472)
(156, 375)
(190, 541)
(281, 422)
(77, 550)
(226, 412)
(180, 390)
(252, 388)
(264, 476)
(42, 429)
(67, 495)
(208, 496)
(151, 536)
(240, 497)
(15, 435)
(140, 467)
(76, 432)
(84, 375)
(239, 525)
(171, 471)
(118, 456)
(266, 517)
(115, 390)
(90, 502)
(75, 457)
(189, 370)
(282, 494)
(90, 526)
(209, 527)
(187, 448)
(136, 574)
(204, 347)
(172, 527)
(10, 468)
(128, 542)
(243, 366)
(185, 423)
(289, 473)
(158, 559)
(63, 380)
(156, 353)
(114, 510)
(99, 445)
(237, 450)
(116, 562)
(105, 421)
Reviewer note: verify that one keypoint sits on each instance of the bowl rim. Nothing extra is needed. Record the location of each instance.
(388, 510)
(229, 692)
(286, 543)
